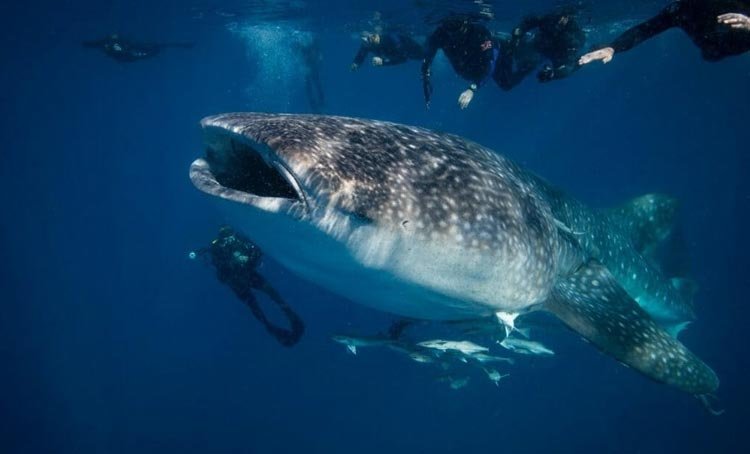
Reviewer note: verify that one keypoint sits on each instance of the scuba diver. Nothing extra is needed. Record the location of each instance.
(309, 51)
(388, 49)
(558, 38)
(471, 49)
(720, 28)
(236, 259)
(126, 51)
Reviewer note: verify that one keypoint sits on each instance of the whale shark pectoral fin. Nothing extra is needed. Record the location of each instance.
(592, 303)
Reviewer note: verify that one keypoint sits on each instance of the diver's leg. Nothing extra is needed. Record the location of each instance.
(296, 325)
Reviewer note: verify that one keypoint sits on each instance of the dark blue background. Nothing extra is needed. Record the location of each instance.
(112, 341)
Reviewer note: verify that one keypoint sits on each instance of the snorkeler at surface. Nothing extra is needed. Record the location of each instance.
(311, 56)
(128, 51)
(720, 28)
(236, 260)
(388, 49)
(558, 38)
(470, 48)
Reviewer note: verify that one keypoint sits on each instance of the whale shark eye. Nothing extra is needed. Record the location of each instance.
(241, 167)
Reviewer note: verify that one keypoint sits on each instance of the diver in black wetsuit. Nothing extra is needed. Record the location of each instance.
(720, 28)
(126, 51)
(388, 49)
(471, 49)
(236, 258)
(311, 56)
(558, 39)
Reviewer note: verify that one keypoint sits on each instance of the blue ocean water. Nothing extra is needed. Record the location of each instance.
(111, 340)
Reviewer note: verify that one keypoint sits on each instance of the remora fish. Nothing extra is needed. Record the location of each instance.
(352, 342)
(525, 347)
(432, 226)
(465, 347)
(485, 358)
(495, 376)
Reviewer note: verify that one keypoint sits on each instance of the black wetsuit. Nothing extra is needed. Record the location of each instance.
(558, 38)
(698, 18)
(236, 258)
(393, 48)
(470, 48)
(127, 51)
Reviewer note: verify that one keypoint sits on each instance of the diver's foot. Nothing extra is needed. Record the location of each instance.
(605, 55)
(735, 20)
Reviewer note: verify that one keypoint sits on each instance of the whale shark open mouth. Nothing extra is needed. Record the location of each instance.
(242, 170)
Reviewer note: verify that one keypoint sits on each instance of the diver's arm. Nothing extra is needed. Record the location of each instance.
(433, 44)
(632, 37)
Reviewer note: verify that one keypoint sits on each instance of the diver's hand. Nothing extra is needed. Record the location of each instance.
(354, 67)
(465, 98)
(735, 20)
(377, 61)
(605, 55)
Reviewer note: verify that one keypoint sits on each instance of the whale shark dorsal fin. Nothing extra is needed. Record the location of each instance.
(593, 304)
(650, 219)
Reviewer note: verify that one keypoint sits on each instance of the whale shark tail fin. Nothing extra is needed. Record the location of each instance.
(651, 219)
(593, 304)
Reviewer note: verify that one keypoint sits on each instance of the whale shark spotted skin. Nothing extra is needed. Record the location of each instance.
(433, 226)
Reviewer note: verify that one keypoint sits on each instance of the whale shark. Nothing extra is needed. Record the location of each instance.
(433, 226)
